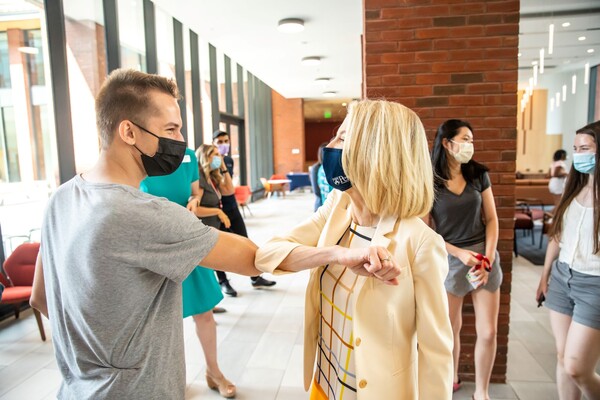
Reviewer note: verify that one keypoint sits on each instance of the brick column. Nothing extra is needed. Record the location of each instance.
(288, 134)
(448, 59)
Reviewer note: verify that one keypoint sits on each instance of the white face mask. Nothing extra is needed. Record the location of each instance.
(464, 154)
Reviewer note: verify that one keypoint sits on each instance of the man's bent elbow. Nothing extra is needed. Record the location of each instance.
(39, 305)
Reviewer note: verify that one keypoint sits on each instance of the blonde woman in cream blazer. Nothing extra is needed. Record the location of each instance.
(395, 340)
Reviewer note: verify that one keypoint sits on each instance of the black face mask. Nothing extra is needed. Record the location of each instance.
(168, 156)
(334, 172)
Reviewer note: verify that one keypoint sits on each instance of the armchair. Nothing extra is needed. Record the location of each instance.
(19, 268)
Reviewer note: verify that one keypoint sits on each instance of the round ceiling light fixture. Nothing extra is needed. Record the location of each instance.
(311, 61)
(581, 38)
(566, 24)
(329, 94)
(291, 25)
(590, 51)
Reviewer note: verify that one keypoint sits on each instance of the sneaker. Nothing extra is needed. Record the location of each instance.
(227, 289)
(261, 282)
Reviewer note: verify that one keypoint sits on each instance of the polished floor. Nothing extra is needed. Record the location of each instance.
(260, 336)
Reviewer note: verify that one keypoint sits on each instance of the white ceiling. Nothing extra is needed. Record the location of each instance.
(569, 52)
(247, 32)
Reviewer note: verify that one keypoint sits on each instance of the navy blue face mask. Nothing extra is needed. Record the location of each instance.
(334, 172)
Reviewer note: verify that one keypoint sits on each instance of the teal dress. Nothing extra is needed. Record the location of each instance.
(201, 291)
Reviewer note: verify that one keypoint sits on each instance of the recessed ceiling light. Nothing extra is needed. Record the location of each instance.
(581, 38)
(291, 25)
(329, 94)
(534, 63)
(590, 50)
(566, 24)
(311, 61)
(344, 104)
(29, 50)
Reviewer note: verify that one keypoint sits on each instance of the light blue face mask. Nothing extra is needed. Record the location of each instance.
(584, 162)
(215, 163)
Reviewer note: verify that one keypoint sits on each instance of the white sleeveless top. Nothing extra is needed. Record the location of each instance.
(576, 244)
(556, 185)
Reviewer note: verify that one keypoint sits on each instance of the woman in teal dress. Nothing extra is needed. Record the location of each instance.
(201, 291)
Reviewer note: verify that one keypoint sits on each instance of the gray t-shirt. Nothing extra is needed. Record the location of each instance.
(114, 259)
(458, 217)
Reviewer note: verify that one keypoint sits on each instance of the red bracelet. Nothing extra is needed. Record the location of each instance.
(485, 261)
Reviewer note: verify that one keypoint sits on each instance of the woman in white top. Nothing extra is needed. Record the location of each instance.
(570, 281)
(558, 175)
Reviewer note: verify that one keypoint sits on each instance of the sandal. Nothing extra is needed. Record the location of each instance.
(221, 385)
(456, 386)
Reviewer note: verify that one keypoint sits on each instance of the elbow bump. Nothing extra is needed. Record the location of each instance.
(33, 302)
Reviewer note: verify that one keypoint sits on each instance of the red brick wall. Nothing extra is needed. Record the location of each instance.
(315, 134)
(288, 134)
(453, 59)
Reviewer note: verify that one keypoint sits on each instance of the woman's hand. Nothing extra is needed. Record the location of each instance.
(373, 261)
(480, 274)
(467, 257)
(542, 288)
(224, 219)
(193, 205)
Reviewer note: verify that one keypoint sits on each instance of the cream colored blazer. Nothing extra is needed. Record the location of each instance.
(403, 339)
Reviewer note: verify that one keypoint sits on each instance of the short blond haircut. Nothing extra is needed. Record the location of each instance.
(387, 159)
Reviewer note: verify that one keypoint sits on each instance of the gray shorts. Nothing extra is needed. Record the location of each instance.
(456, 282)
(574, 294)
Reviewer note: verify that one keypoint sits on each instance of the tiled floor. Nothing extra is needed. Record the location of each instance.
(260, 336)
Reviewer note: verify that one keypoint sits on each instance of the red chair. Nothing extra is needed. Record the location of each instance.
(243, 194)
(19, 268)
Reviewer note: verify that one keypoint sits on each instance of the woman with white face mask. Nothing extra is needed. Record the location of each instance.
(570, 282)
(464, 214)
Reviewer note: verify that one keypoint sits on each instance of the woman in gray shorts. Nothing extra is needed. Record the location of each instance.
(464, 214)
(570, 281)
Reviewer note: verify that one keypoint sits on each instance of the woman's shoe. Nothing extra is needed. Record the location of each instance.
(221, 385)
(456, 386)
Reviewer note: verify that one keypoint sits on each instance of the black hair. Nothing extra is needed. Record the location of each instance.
(439, 159)
(217, 134)
(559, 155)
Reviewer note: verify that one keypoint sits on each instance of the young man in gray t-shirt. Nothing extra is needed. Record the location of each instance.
(112, 258)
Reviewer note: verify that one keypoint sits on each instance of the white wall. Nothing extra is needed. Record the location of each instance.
(572, 114)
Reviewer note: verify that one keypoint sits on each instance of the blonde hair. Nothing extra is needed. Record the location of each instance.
(387, 160)
(203, 155)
